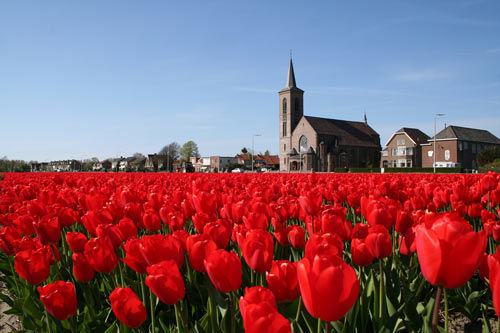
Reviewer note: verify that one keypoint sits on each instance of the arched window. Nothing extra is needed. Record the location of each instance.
(284, 106)
(303, 144)
(284, 128)
(297, 104)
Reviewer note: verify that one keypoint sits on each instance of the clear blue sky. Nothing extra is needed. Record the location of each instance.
(107, 78)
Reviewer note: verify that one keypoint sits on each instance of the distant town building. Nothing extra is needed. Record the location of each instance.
(65, 165)
(218, 163)
(201, 164)
(457, 146)
(155, 162)
(320, 144)
(270, 162)
(404, 149)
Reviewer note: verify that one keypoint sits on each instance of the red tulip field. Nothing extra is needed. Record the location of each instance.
(138, 252)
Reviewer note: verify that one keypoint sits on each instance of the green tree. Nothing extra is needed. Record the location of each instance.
(488, 155)
(244, 150)
(267, 153)
(188, 150)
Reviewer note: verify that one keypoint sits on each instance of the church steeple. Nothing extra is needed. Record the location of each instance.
(290, 81)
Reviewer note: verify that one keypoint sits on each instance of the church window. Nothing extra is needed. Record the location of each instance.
(284, 128)
(284, 147)
(303, 144)
(284, 106)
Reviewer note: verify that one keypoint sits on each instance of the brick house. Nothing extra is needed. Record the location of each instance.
(218, 163)
(404, 149)
(457, 146)
(271, 162)
(321, 144)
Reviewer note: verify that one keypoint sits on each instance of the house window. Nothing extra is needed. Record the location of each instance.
(394, 163)
(394, 152)
(460, 145)
(303, 143)
(466, 145)
(409, 151)
(447, 155)
(429, 153)
(474, 148)
(401, 142)
(408, 163)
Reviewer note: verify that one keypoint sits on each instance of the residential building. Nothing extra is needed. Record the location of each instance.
(404, 149)
(270, 162)
(218, 163)
(457, 146)
(321, 144)
(201, 164)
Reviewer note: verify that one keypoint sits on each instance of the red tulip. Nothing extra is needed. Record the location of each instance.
(8, 237)
(165, 281)
(33, 265)
(134, 257)
(311, 201)
(257, 249)
(127, 228)
(158, 248)
(127, 307)
(329, 287)
(323, 244)
(81, 268)
(151, 221)
(76, 241)
(256, 221)
(449, 250)
(59, 298)
(224, 270)
(219, 231)
(257, 295)
(260, 318)
(282, 280)
(198, 247)
(112, 232)
(48, 230)
(378, 241)
(361, 256)
(297, 236)
(101, 255)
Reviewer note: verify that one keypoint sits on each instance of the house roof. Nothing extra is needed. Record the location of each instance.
(268, 159)
(466, 134)
(352, 133)
(415, 134)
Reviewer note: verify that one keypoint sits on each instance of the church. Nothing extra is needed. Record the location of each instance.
(316, 144)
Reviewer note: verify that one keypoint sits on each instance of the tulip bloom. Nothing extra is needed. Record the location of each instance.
(378, 241)
(81, 268)
(33, 265)
(127, 307)
(166, 282)
(329, 287)
(297, 236)
(257, 249)
(198, 247)
(311, 201)
(257, 295)
(323, 244)
(49, 231)
(448, 250)
(76, 241)
(282, 280)
(101, 255)
(59, 298)
(224, 270)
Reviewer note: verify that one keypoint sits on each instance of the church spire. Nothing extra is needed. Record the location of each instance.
(290, 81)
(364, 118)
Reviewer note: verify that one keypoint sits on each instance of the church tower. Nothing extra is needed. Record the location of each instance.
(290, 112)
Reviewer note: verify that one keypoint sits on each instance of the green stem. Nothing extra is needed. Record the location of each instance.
(121, 274)
(152, 309)
(381, 292)
(178, 310)
(318, 330)
(49, 329)
(233, 314)
(14, 276)
(446, 327)
(436, 310)
(211, 310)
(327, 327)
(298, 310)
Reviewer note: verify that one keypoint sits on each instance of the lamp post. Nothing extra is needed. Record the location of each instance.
(253, 152)
(434, 153)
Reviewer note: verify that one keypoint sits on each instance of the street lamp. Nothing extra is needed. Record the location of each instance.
(434, 153)
(253, 152)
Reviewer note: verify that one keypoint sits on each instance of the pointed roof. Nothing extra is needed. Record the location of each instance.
(290, 81)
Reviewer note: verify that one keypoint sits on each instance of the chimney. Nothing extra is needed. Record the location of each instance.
(444, 125)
